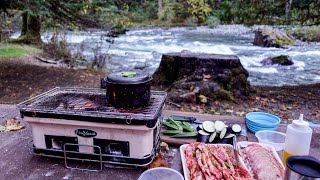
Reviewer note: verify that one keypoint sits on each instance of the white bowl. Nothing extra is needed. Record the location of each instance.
(161, 173)
(274, 138)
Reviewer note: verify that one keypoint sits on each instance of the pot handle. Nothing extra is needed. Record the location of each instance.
(103, 84)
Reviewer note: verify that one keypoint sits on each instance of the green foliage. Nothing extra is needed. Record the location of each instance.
(269, 12)
(138, 16)
(147, 10)
(114, 17)
(251, 12)
(225, 13)
(12, 52)
(213, 21)
(308, 33)
(199, 9)
(120, 14)
(180, 11)
(168, 13)
(306, 12)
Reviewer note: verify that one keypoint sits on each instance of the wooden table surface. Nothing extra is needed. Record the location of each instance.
(315, 142)
(17, 160)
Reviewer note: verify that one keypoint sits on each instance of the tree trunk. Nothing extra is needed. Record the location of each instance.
(288, 7)
(30, 30)
(34, 25)
(24, 23)
(159, 7)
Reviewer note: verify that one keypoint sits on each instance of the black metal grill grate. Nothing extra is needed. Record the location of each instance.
(89, 102)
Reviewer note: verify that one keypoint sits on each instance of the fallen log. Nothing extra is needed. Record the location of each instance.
(46, 60)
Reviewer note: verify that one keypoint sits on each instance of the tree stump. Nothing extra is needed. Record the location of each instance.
(191, 76)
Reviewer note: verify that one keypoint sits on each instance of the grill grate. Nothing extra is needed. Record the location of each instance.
(89, 102)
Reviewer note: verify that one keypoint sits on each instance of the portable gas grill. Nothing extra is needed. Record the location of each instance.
(77, 123)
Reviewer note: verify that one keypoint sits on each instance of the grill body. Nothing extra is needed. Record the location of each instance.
(77, 124)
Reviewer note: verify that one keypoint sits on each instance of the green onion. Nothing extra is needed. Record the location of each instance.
(214, 163)
(225, 163)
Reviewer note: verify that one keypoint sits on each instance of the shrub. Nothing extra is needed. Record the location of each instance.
(57, 46)
(150, 10)
(191, 21)
(168, 13)
(213, 21)
(308, 33)
(199, 9)
(138, 15)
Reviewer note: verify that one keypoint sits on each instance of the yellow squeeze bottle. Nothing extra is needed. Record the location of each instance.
(298, 139)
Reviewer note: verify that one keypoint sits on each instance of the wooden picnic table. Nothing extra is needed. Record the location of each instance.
(175, 143)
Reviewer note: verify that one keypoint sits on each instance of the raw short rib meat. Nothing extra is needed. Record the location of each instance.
(262, 163)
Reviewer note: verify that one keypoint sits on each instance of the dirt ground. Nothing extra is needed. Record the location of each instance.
(287, 102)
(26, 77)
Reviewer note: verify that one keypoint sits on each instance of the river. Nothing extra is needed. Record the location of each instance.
(142, 48)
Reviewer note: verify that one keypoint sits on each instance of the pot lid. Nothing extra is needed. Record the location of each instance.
(128, 77)
(304, 165)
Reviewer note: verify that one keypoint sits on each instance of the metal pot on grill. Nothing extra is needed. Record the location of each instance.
(128, 89)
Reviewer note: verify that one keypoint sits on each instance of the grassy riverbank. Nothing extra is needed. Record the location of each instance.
(8, 51)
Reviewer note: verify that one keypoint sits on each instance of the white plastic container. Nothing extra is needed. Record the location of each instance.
(161, 173)
(298, 139)
(274, 138)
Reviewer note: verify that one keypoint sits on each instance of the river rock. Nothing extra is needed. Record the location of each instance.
(271, 37)
(192, 76)
(140, 66)
(283, 60)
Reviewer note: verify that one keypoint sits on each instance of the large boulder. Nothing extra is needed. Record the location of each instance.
(196, 77)
(283, 60)
(271, 37)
